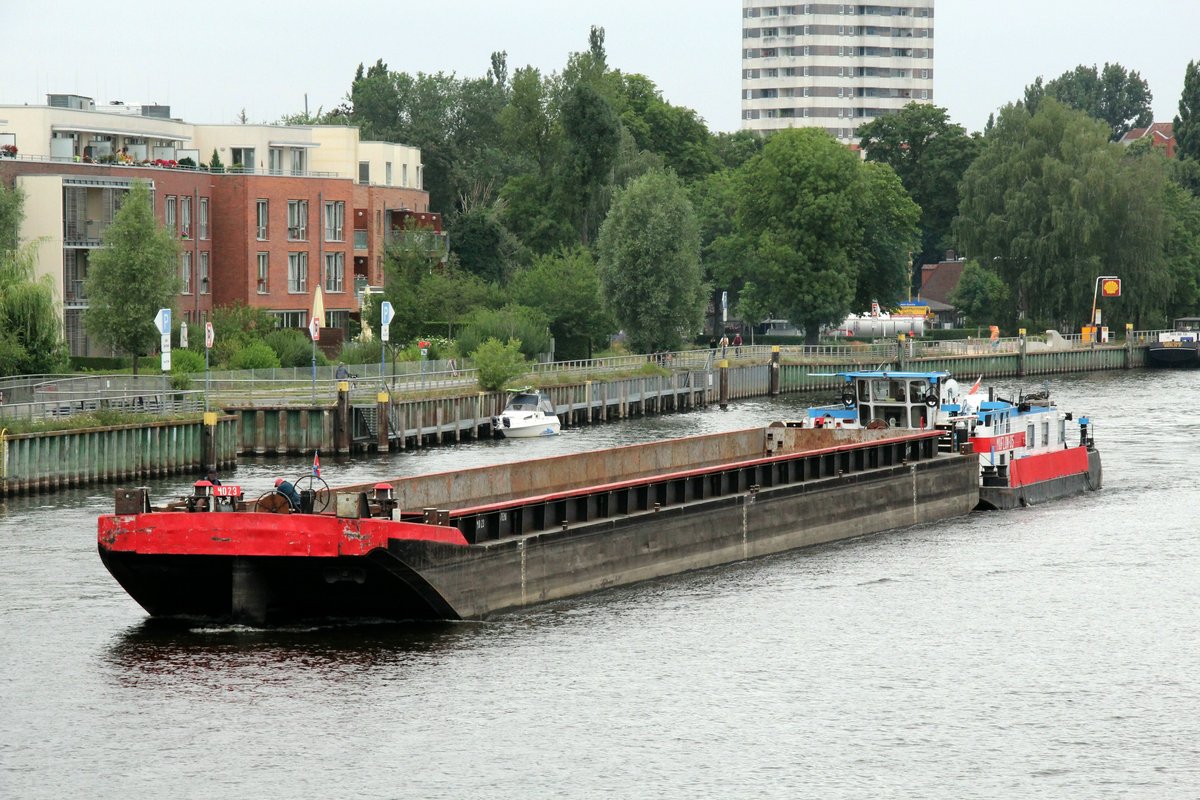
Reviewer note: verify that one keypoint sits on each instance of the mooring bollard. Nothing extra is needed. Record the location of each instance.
(382, 439)
(723, 396)
(341, 424)
(774, 380)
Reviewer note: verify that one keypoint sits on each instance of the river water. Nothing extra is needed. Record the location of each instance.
(1049, 652)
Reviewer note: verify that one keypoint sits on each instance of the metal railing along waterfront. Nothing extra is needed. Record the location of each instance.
(40, 396)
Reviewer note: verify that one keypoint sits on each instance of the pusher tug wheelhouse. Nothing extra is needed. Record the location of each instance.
(1029, 450)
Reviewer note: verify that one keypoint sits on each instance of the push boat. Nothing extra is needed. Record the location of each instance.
(471, 543)
(1029, 450)
(527, 414)
(1179, 347)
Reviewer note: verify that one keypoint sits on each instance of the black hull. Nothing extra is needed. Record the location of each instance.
(276, 590)
(1003, 498)
(1186, 356)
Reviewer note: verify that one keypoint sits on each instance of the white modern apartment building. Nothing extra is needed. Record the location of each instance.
(833, 65)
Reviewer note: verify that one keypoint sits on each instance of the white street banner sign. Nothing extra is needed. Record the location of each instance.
(183, 334)
(314, 329)
(166, 350)
(208, 335)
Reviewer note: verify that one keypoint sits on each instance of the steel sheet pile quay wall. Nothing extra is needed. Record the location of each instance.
(39, 462)
(790, 495)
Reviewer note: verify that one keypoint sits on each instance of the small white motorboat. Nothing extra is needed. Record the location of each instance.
(528, 413)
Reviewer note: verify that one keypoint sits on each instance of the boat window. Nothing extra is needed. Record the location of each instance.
(916, 417)
(894, 415)
(881, 390)
(864, 391)
(1062, 431)
(1046, 433)
(1030, 437)
(917, 390)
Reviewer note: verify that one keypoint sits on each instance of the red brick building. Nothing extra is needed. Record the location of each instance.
(265, 234)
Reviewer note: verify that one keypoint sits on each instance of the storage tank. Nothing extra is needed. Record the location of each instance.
(884, 325)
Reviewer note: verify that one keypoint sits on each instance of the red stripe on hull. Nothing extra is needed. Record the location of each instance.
(1003, 441)
(251, 534)
(1047, 466)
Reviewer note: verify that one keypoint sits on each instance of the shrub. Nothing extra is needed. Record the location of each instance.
(186, 361)
(523, 325)
(360, 352)
(498, 363)
(293, 348)
(256, 355)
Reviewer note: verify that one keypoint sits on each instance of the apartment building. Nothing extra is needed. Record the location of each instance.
(833, 65)
(292, 207)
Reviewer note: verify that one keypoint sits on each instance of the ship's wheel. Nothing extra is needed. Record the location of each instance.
(319, 488)
(273, 503)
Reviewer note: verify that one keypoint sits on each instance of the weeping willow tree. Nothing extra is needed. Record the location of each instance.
(30, 328)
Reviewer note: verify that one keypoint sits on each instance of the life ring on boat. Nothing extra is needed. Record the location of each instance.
(848, 399)
(932, 400)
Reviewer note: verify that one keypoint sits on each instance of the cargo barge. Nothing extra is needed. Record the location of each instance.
(470, 543)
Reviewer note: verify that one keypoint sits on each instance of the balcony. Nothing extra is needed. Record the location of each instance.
(83, 233)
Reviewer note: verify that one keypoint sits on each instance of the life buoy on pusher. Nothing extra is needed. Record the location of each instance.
(931, 400)
(848, 399)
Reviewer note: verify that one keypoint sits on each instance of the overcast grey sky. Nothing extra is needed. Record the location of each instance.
(212, 59)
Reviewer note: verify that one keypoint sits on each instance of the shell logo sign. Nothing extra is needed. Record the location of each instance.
(1110, 287)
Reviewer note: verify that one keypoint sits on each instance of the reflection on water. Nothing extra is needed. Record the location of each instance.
(1045, 652)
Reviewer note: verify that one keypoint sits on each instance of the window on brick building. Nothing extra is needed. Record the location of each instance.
(185, 273)
(204, 287)
(185, 216)
(297, 220)
(263, 272)
(262, 220)
(202, 218)
(169, 215)
(364, 172)
(335, 272)
(298, 273)
(335, 221)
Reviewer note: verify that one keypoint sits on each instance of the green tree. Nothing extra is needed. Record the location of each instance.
(799, 218)
(675, 133)
(735, 149)
(134, 275)
(890, 235)
(979, 294)
(930, 154)
(1052, 205)
(498, 363)
(722, 252)
(30, 328)
(484, 246)
(565, 286)
(649, 249)
(1182, 251)
(1119, 97)
(592, 138)
(1187, 123)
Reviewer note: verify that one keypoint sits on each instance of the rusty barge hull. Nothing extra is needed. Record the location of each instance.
(502, 546)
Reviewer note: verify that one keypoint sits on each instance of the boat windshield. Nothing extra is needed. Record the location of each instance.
(523, 402)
